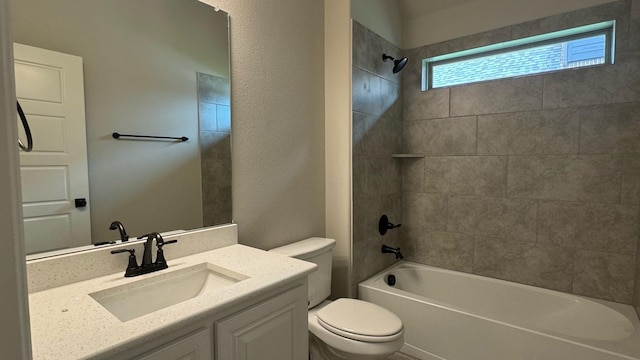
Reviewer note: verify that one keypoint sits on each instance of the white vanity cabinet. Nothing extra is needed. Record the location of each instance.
(272, 329)
(195, 346)
(262, 315)
(275, 329)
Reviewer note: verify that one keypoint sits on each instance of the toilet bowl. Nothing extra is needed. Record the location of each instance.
(353, 329)
(343, 329)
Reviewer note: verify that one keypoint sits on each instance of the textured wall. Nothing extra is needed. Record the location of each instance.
(533, 179)
(337, 125)
(481, 15)
(383, 17)
(377, 133)
(277, 97)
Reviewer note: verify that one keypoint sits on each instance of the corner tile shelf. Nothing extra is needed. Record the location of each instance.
(407, 156)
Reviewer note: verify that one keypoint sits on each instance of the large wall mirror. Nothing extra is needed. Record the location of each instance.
(144, 67)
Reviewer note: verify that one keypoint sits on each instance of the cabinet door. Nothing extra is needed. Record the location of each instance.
(196, 346)
(272, 330)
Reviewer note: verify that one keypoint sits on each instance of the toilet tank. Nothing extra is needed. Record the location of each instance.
(318, 251)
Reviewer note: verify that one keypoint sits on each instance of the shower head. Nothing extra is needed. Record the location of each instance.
(397, 64)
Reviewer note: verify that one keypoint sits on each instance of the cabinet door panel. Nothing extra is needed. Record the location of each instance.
(196, 346)
(275, 329)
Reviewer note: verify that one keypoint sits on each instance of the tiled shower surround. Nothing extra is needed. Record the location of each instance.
(215, 148)
(534, 180)
(377, 133)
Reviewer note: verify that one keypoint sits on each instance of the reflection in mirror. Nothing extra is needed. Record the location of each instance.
(88, 68)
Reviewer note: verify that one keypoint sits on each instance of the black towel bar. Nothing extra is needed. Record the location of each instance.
(118, 136)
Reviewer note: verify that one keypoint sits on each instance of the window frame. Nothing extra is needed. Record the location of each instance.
(606, 28)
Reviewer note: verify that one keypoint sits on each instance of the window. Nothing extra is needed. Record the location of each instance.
(578, 47)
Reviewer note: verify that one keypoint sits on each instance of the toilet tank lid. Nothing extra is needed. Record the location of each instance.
(307, 248)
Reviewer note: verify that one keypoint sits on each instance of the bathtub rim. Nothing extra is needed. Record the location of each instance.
(628, 311)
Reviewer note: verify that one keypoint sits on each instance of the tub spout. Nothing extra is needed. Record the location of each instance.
(388, 249)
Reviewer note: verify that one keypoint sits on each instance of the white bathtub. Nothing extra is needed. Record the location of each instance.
(457, 316)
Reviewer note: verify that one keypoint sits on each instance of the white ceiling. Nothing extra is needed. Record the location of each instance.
(410, 9)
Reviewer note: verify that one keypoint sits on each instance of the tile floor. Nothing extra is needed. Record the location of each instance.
(401, 356)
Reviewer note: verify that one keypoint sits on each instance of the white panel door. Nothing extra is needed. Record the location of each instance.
(50, 88)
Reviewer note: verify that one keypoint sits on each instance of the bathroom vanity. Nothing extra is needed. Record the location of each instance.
(234, 302)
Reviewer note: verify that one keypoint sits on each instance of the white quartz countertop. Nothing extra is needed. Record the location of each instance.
(67, 323)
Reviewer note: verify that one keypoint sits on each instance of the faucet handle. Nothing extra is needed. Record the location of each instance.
(133, 263)
(384, 225)
(160, 254)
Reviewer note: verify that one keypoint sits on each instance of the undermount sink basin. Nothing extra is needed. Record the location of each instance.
(151, 294)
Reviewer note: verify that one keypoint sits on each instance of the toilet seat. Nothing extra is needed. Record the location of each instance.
(360, 320)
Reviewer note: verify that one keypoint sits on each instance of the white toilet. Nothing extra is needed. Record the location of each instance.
(345, 328)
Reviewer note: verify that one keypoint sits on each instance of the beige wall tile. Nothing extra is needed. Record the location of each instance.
(213, 89)
(610, 129)
(376, 135)
(558, 223)
(604, 84)
(479, 175)
(367, 241)
(603, 227)
(216, 191)
(413, 175)
(424, 211)
(442, 249)
(451, 136)
(359, 178)
(368, 48)
(421, 105)
(534, 132)
(363, 139)
(467, 175)
(605, 276)
(383, 176)
(572, 178)
(550, 267)
(412, 76)
(636, 297)
(464, 214)
(631, 180)
(513, 219)
(215, 145)
(366, 94)
(634, 26)
(391, 101)
(437, 174)
(524, 94)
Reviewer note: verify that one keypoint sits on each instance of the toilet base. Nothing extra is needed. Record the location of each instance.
(318, 350)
